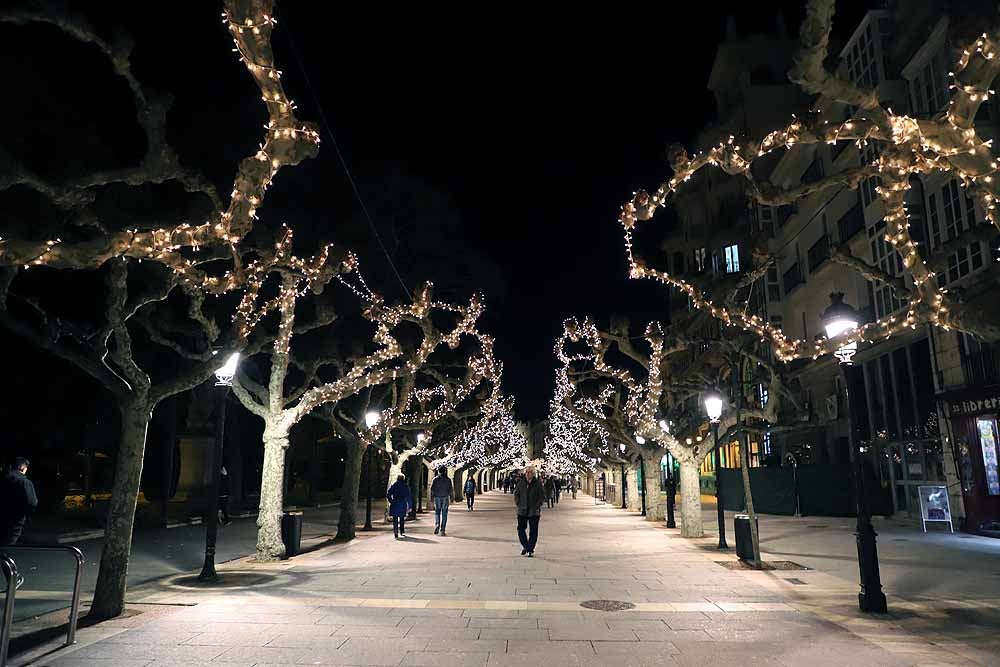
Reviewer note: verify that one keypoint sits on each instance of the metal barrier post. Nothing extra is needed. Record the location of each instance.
(74, 609)
(10, 574)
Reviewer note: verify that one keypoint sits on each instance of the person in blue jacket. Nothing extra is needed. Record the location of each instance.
(400, 501)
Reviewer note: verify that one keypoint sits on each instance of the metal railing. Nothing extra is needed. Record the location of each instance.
(10, 575)
(9, 564)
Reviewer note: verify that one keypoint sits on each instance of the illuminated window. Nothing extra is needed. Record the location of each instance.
(700, 255)
(732, 254)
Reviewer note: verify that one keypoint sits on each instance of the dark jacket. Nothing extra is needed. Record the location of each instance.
(17, 500)
(400, 499)
(529, 497)
(442, 487)
(470, 486)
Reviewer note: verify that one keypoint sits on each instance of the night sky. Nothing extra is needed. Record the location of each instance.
(491, 144)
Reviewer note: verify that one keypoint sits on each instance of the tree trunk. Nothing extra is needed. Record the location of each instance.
(269, 544)
(456, 482)
(347, 523)
(112, 577)
(691, 523)
(748, 497)
(655, 502)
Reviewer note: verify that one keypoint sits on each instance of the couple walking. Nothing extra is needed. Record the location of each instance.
(401, 502)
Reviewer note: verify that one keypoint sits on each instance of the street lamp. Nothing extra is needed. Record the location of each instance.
(840, 318)
(224, 379)
(371, 419)
(713, 408)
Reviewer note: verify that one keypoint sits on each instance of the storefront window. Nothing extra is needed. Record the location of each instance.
(987, 428)
(965, 461)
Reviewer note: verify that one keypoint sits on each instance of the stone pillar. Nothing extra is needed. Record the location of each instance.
(634, 492)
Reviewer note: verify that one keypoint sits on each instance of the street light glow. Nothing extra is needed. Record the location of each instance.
(224, 375)
(372, 418)
(713, 405)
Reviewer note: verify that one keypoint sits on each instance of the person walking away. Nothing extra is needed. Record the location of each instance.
(550, 491)
(442, 491)
(470, 493)
(557, 483)
(529, 496)
(400, 501)
(17, 502)
(572, 486)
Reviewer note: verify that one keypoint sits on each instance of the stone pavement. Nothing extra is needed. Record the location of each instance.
(470, 599)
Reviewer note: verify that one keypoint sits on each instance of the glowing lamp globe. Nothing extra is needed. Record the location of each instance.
(421, 437)
(224, 375)
(840, 318)
(665, 426)
(621, 448)
(641, 440)
(372, 418)
(713, 405)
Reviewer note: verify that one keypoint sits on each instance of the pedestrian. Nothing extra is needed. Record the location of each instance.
(529, 496)
(441, 490)
(224, 496)
(557, 483)
(17, 502)
(470, 493)
(550, 491)
(400, 501)
(572, 486)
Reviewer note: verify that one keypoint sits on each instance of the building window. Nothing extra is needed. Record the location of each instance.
(764, 218)
(732, 253)
(700, 257)
(814, 172)
(928, 90)
(935, 220)
(868, 188)
(952, 209)
(851, 223)
(773, 288)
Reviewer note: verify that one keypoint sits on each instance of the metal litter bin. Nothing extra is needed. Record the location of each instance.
(291, 533)
(744, 539)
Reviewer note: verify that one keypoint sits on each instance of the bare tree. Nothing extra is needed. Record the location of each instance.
(909, 147)
(632, 392)
(182, 266)
(392, 355)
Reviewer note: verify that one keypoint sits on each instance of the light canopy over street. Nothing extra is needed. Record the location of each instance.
(276, 278)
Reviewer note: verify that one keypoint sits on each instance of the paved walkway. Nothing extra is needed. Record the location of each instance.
(470, 599)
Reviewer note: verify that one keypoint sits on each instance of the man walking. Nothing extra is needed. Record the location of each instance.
(441, 490)
(529, 496)
(470, 493)
(17, 502)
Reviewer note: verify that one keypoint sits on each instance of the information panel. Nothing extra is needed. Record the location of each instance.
(935, 505)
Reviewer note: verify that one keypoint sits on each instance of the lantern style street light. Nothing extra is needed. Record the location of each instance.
(224, 380)
(839, 319)
(372, 418)
(713, 408)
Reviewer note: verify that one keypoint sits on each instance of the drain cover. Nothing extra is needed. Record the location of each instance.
(607, 605)
(797, 582)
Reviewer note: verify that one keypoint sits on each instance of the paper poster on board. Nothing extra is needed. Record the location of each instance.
(934, 505)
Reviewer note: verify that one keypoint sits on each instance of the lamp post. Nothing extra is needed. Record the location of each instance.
(621, 448)
(642, 473)
(713, 408)
(223, 380)
(840, 318)
(671, 482)
(371, 419)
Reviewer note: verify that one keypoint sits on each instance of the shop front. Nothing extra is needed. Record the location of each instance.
(973, 416)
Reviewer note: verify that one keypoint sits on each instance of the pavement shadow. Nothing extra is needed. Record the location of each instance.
(419, 540)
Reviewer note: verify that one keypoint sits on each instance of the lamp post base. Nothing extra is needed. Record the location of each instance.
(871, 598)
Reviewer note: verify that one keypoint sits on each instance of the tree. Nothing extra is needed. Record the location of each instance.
(393, 354)
(76, 231)
(632, 393)
(909, 147)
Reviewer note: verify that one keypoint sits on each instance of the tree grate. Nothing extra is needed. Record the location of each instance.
(607, 605)
(768, 565)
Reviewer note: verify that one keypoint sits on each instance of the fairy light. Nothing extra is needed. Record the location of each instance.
(948, 144)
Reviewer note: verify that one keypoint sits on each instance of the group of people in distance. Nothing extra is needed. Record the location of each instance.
(531, 493)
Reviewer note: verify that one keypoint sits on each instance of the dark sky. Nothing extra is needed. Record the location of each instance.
(491, 143)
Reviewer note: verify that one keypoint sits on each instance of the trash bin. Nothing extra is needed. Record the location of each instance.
(744, 540)
(291, 532)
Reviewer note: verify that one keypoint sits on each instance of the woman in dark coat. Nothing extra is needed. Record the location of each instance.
(400, 501)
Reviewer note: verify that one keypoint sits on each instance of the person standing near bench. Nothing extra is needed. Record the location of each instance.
(529, 496)
(441, 490)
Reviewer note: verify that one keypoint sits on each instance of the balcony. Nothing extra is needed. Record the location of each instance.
(792, 278)
(851, 223)
(982, 368)
(818, 253)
